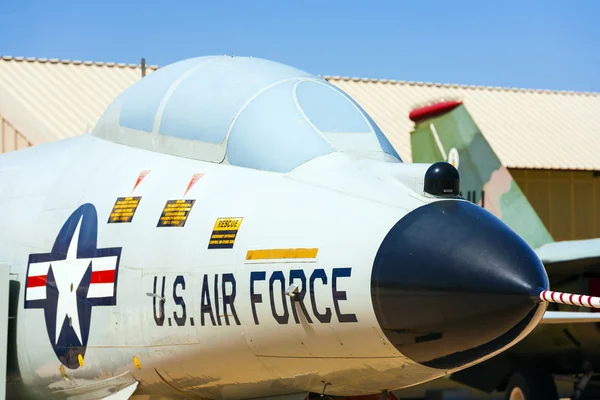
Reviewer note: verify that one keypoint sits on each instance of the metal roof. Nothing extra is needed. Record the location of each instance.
(526, 128)
(52, 99)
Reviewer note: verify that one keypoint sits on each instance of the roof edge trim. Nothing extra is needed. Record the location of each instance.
(326, 77)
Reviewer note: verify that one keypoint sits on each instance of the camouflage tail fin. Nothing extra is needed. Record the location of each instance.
(445, 131)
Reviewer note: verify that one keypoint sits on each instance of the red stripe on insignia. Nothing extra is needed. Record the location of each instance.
(107, 276)
(36, 281)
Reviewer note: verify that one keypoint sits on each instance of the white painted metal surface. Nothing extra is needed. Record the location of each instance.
(124, 393)
(276, 211)
(4, 291)
(570, 317)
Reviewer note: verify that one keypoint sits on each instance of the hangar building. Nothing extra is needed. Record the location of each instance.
(549, 140)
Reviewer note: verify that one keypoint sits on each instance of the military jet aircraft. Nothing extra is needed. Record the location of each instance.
(235, 228)
(566, 344)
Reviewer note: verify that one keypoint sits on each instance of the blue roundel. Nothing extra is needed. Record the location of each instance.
(69, 281)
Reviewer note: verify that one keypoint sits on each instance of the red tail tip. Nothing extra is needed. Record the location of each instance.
(432, 110)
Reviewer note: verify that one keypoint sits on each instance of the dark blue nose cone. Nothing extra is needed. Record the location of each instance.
(452, 284)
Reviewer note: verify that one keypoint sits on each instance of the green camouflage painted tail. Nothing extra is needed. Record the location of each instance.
(446, 132)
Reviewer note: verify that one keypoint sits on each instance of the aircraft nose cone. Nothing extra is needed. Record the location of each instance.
(452, 284)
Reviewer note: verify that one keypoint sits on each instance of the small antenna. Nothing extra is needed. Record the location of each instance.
(143, 67)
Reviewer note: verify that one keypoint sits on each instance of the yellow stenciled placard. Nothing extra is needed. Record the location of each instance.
(281, 254)
(124, 209)
(224, 233)
(80, 359)
(176, 213)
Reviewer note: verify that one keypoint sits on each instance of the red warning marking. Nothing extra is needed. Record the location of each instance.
(575, 299)
(193, 181)
(140, 178)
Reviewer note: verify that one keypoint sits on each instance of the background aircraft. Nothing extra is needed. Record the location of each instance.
(445, 131)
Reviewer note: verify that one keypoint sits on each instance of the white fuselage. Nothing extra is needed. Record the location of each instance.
(253, 343)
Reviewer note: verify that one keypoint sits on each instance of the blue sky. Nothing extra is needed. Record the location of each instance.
(546, 44)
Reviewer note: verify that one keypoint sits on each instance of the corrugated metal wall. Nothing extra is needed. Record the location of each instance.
(10, 138)
(568, 202)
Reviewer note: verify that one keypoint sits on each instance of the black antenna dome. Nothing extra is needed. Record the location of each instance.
(442, 179)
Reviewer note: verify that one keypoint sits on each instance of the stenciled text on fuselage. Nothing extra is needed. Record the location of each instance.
(219, 298)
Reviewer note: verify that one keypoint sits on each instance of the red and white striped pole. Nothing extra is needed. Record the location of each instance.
(570, 299)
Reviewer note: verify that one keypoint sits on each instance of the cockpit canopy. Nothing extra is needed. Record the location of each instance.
(243, 111)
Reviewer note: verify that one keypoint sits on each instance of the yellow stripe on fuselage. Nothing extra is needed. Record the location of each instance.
(281, 254)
